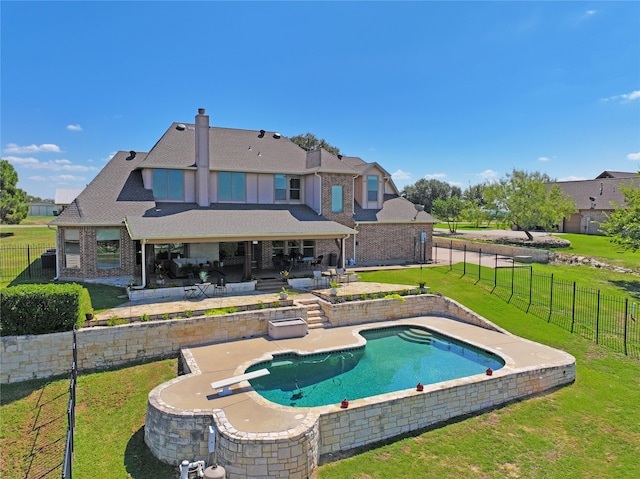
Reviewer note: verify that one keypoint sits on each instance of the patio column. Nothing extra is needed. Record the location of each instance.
(246, 273)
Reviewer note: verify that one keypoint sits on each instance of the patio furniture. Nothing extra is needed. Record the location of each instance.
(203, 290)
(220, 287)
(317, 261)
(319, 279)
(190, 291)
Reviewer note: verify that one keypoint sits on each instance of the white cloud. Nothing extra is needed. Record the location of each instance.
(633, 156)
(455, 183)
(626, 97)
(543, 158)
(488, 174)
(572, 178)
(16, 160)
(54, 165)
(59, 179)
(44, 148)
(435, 176)
(399, 175)
(74, 127)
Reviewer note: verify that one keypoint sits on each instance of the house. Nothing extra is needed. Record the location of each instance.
(228, 197)
(64, 197)
(595, 199)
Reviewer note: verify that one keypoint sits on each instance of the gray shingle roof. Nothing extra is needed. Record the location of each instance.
(395, 209)
(117, 191)
(604, 191)
(240, 150)
(233, 221)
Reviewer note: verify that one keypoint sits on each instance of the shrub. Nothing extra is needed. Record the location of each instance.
(188, 313)
(42, 308)
(144, 318)
(115, 320)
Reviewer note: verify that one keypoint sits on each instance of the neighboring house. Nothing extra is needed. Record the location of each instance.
(595, 199)
(64, 197)
(242, 197)
(42, 209)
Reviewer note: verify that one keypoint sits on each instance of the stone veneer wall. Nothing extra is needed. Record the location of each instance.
(537, 255)
(41, 356)
(394, 414)
(326, 430)
(358, 312)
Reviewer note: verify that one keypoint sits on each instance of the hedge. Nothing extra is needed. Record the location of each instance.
(42, 308)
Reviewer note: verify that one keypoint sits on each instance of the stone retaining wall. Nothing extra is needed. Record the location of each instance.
(42, 356)
(537, 255)
(358, 312)
(341, 430)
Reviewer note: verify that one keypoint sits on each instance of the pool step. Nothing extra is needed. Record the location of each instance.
(315, 316)
(419, 336)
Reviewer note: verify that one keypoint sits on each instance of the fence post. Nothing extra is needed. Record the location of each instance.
(29, 260)
(530, 288)
(479, 264)
(495, 273)
(573, 307)
(464, 261)
(513, 269)
(598, 320)
(626, 314)
(450, 255)
(550, 299)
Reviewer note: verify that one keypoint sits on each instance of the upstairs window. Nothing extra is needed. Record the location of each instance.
(281, 187)
(168, 184)
(231, 186)
(336, 199)
(294, 188)
(372, 188)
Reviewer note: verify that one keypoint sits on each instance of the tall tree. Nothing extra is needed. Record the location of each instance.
(449, 210)
(13, 201)
(528, 203)
(425, 192)
(310, 142)
(623, 225)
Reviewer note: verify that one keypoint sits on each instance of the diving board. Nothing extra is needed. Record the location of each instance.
(224, 385)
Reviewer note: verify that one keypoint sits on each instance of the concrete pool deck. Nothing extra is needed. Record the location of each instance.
(247, 411)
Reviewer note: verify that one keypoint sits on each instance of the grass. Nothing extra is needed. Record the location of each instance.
(20, 236)
(585, 430)
(109, 440)
(601, 247)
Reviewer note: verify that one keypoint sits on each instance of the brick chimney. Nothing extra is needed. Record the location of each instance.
(202, 158)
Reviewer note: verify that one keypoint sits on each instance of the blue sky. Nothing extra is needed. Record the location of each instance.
(458, 91)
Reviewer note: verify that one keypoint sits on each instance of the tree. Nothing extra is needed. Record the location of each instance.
(528, 202)
(425, 192)
(310, 142)
(449, 210)
(13, 200)
(623, 225)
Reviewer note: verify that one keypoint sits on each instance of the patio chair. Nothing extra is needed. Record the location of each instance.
(317, 261)
(220, 287)
(190, 291)
(319, 279)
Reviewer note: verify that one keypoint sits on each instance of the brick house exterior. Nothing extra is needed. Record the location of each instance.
(243, 197)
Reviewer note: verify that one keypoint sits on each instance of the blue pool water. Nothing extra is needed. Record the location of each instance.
(393, 359)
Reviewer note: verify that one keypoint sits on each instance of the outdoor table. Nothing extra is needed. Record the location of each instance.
(204, 287)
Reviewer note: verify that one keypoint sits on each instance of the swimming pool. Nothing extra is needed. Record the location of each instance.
(393, 359)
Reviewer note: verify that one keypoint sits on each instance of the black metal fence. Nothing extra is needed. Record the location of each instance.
(23, 264)
(67, 462)
(605, 319)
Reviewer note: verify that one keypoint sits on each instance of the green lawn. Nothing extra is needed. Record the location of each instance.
(601, 247)
(25, 235)
(586, 430)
